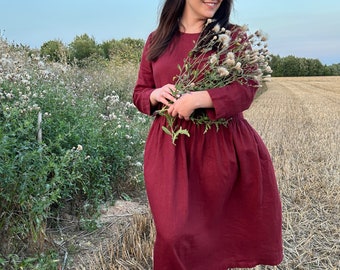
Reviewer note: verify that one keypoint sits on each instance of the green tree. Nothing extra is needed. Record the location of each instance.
(276, 65)
(53, 50)
(290, 66)
(83, 47)
(334, 69)
(315, 68)
(294, 66)
(126, 49)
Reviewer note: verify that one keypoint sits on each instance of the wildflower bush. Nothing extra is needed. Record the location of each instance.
(70, 138)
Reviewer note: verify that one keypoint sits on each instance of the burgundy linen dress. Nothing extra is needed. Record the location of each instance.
(213, 196)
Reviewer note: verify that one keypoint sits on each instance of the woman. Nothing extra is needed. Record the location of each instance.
(213, 195)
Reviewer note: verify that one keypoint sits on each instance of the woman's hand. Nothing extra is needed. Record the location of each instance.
(187, 103)
(163, 95)
(182, 107)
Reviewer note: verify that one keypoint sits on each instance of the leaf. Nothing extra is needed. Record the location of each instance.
(167, 131)
(183, 131)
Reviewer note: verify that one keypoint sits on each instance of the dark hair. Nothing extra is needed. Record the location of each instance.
(169, 24)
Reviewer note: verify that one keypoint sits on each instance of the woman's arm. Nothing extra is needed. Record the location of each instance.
(231, 99)
(223, 102)
(145, 83)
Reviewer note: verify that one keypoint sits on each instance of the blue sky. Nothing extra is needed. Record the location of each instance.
(304, 28)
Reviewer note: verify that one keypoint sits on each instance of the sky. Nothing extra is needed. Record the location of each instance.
(303, 28)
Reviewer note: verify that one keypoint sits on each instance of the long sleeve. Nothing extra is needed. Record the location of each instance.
(145, 83)
(231, 99)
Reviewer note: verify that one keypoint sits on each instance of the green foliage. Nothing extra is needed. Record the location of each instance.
(91, 148)
(84, 51)
(333, 70)
(53, 50)
(82, 47)
(44, 261)
(291, 66)
(126, 49)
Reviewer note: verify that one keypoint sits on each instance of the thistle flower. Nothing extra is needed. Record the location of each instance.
(222, 71)
(230, 62)
(213, 59)
(244, 28)
(224, 39)
(238, 66)
(217, 28)
(268, 69)
(209, 21)
(230, 55)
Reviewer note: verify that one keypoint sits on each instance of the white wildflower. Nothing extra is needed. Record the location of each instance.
(230, 62)
(238, 66)
(9, 95)
(224, 39)
(268, 69)
(209, 21)
(230, 55)
(213, 59)
(217, 28)
(245, 28)
(222, 71)
(36, 107)
(41, 64)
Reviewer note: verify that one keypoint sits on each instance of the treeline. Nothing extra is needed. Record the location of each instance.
(291, 66)
(84, 48)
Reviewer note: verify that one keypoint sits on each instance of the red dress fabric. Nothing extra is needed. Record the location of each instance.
(213, 196)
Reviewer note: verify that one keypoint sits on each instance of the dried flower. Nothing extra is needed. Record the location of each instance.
(222, 71)
(217, 28)
(218, 59)
(213, 59)
(224, 39)
(238, 66)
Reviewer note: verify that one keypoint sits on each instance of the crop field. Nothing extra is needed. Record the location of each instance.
(299, 120)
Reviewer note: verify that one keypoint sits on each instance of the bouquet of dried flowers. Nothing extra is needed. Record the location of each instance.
(219, 58)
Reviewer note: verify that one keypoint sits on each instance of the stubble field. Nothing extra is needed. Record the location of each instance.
(299, 120)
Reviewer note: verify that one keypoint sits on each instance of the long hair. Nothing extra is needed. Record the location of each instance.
(169, 24)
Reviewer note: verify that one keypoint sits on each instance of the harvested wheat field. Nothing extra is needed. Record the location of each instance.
(299, 120)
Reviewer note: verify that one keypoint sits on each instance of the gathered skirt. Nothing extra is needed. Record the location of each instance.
(214, 198)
